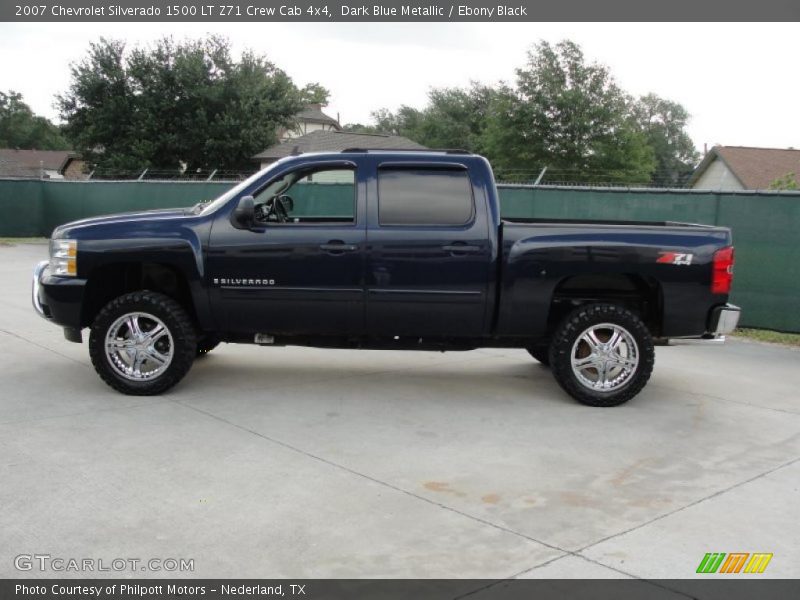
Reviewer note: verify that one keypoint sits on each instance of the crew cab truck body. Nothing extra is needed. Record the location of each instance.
(383, 250)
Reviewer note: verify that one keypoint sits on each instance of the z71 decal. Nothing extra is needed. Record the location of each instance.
(675, 258)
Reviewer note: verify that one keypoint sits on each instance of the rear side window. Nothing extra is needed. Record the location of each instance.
(417, 196)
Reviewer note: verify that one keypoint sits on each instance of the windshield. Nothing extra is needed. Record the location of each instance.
(237, 189)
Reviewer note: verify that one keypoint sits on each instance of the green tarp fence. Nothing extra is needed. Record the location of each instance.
(766, 225)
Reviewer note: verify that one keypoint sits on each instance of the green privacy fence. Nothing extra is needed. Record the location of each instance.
(766, 233)
(766, 226)
(328, 199)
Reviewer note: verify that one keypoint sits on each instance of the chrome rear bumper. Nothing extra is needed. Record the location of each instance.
(724, 319)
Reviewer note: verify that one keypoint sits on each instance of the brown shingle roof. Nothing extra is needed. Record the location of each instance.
(27, 163)
(336, 141)
(755, 168)
(313, 114)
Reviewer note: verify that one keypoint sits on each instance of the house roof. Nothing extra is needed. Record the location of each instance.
(68, 159)
(28, 163)
(755, 168)
(313, 114)
(336, 141)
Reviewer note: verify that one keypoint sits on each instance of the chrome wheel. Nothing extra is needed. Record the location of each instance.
(604, 357)
(139, 346)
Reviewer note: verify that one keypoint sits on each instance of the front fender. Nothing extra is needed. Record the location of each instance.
(175, 242)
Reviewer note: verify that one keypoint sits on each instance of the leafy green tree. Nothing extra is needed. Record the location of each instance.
(314, 93)
(562, 112)
(358, 128)
(454, 118)
(21, 129)
(176, 105)
(787, 182)
(663, 123)
(404, 122)
(570, 116)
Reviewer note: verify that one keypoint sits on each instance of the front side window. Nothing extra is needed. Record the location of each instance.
(416, 196)
(309, 196)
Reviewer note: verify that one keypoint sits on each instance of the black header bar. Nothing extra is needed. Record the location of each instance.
(731, 588)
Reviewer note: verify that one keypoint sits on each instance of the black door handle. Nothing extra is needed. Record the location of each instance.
(338, 247)
(461, 249)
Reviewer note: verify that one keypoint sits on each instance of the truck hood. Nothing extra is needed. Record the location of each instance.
(143, 217)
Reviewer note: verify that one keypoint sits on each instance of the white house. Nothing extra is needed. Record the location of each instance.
(308, 120)
(744, 168)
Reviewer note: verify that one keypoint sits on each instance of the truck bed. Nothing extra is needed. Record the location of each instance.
(535, 221)
(542, 259)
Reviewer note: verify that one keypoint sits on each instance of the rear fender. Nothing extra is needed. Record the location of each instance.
(534, 268)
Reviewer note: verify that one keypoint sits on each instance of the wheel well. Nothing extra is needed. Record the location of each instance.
(639, 294)
(113, 280)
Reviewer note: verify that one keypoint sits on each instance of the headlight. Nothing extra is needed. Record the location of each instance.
(64, 257)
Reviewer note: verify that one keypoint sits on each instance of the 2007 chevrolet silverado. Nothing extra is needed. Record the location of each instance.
(382, 250)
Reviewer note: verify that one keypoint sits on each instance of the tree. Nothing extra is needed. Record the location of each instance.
(188, 104)
(562, 112)
(21, 129)
(314, 93)
(454, 118)
(787, 182)
(405, 122)
(663, 123)
(358, 128)
(570, 116)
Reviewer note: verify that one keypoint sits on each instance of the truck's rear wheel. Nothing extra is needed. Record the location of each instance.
(602, 354)
(142, 343)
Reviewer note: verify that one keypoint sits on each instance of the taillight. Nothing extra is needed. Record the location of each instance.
(722, 273)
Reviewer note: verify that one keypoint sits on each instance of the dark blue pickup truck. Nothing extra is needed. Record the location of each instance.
(382, 250)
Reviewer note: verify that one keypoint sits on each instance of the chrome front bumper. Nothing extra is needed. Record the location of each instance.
(36, 286)
(58, 299)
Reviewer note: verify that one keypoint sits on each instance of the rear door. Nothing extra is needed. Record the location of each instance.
(428, 253)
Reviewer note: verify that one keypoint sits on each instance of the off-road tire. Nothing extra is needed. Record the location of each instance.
(540, 353)
(174, 318)
(577, 322)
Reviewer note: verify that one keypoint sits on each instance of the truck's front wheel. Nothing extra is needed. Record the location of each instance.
(540, 353)
(142, 343)
(602, 354)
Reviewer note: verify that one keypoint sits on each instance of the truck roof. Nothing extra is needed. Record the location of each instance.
(407, 151)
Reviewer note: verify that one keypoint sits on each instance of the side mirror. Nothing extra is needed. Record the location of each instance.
(244, 214)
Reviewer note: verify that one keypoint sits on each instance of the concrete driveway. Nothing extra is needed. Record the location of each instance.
(292, 462)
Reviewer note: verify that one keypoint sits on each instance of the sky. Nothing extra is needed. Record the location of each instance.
(738, 80)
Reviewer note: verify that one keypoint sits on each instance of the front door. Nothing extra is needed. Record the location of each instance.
(299, 269)
(429, 259)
